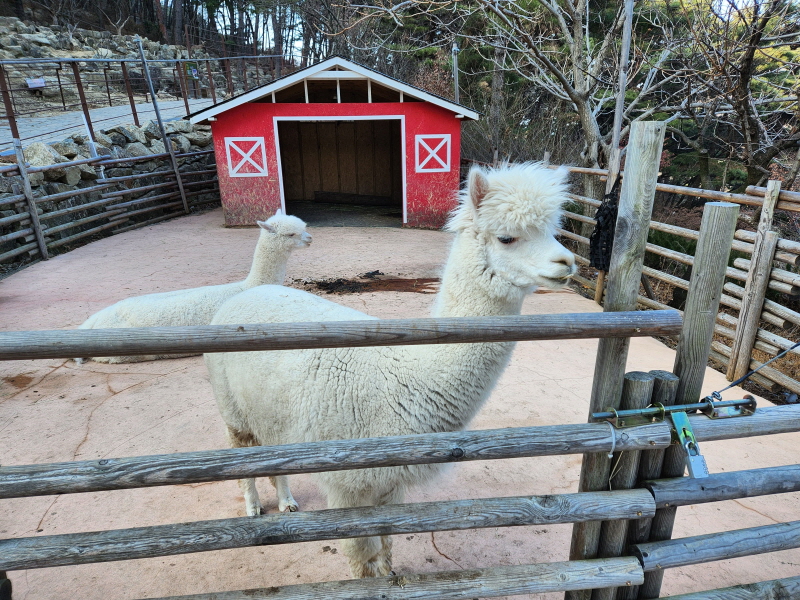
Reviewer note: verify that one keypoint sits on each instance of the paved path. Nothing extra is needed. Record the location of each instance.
(54, 128)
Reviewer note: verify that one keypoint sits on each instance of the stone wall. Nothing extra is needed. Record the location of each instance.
(118, 143)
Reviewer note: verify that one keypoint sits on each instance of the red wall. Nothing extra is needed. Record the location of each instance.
(429, 195)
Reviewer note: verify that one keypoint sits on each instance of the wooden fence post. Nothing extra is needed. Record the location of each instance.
(5, 586)
(702, 304)
(28, 192)
(637, 391)
(627, 259)
(650, 466)
(755, 287)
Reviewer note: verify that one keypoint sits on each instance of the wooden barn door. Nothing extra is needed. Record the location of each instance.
(352, 162)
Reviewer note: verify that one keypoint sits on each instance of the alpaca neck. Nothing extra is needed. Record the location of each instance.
(463, 375)
(269, 262)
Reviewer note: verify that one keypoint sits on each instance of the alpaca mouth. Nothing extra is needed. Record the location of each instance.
(558, 281)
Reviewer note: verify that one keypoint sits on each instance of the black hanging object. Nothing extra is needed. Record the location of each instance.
(601, 241)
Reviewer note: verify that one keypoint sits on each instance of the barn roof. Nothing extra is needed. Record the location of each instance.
(335, 68)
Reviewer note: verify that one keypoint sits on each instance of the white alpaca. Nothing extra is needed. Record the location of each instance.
(280, 235)
(504, 247)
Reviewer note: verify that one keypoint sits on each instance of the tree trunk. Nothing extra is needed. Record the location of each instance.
(162, 27)
(277, 36)
(705, 171)
(19, 9)
(177, 21)
(497, 102)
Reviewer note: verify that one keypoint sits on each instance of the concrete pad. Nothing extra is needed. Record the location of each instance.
(55, 410)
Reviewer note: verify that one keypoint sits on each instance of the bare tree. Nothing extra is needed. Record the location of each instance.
(739, 90)
(561, 48)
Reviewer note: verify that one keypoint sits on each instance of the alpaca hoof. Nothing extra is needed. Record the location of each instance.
(288, 507)
(254, 510)
(372, 568)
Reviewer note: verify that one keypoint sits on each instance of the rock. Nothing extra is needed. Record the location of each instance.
(157, 147)
(7, 184)
(41, 40)
(179, 126)
(117, 139)
(6, 41)
(79, 138)
(199, 138)
(41, 155)
(119, 172)
(182, 143)
(130, 132)
(102, 138)
(87, 172)
(135, 150)
(148, 166)
(58, 188)
(202, 127)
(51, 90)
(66, 148)
(72, 175)
(152, 131)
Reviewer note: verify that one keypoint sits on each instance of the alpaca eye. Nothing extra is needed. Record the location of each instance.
(292, 234)
(504, 239)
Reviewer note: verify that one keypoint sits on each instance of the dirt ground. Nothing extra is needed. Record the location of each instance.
(55, 410)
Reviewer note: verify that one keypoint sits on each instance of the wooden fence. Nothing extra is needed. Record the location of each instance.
(748, 321)
(43, 224)
(621, 541)
(621, 508)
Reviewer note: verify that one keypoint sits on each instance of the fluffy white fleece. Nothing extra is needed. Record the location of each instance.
(503, 248)
(280, 235)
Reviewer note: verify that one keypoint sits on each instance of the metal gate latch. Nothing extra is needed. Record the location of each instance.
(695, 462)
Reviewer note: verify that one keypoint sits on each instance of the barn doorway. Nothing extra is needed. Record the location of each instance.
(346, 173)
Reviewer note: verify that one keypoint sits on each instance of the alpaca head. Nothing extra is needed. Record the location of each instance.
(288, 229)
(512, 212)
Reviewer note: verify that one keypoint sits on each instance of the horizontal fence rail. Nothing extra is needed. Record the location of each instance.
(775, 589)
(724, 486)
(81, 343)
(454, 585)
(717, 546)
(330, 524)
(312, 457)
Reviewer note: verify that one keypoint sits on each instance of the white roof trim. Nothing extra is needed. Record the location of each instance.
(309, 72)
(332, 75)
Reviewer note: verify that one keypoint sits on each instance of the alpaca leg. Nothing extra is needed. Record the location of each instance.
(286, 502)
(252, 503)
(368, 556)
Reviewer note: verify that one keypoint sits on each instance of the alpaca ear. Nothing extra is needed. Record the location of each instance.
(279, 213)
(266, 226)
(478, 186)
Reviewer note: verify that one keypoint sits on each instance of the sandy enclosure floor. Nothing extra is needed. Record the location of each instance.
(55, 410)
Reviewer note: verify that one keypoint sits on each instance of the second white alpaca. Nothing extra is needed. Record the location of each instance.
(504, 247)
(280, 236)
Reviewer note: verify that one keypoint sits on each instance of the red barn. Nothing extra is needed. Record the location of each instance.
(337, 132)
